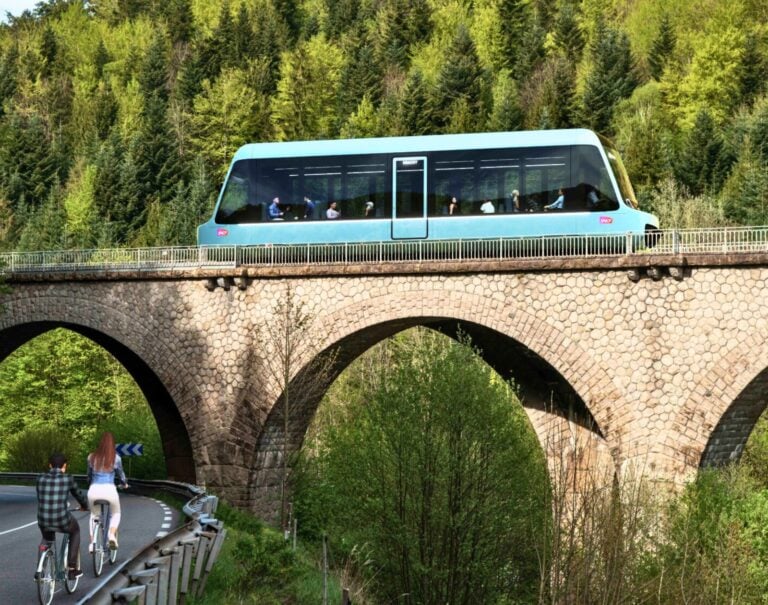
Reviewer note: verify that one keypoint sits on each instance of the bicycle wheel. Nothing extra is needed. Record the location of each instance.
(70, 585)
(98, 549)
(46, 577)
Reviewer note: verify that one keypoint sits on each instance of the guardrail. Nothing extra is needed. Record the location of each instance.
(171, 568)
(727, 240)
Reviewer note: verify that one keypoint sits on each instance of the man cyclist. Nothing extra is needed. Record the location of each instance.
(53, 490)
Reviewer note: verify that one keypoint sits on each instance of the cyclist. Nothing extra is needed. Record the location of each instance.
(103, 465)
(53, 490)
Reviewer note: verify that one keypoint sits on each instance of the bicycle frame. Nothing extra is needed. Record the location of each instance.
(47, 581)
(100, 538)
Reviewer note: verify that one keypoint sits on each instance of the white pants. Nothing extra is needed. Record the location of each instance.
(108, 492)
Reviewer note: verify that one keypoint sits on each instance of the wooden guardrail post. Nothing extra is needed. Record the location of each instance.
(175, 569)
(186, 568)
(163, 564)
(218, 542)
(148, 578)
(130, 594)
(345, 600)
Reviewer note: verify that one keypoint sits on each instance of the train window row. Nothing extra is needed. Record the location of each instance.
(498, 181)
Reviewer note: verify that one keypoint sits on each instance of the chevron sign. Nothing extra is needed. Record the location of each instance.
(130, 449)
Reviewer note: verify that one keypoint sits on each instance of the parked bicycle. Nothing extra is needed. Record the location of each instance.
(100, 548)
(52, 568)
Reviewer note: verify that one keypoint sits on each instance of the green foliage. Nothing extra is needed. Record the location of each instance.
(701, 149)
(307, 91)
(227, 114)
(28, 450)
(167, 80)
(714, 543)
(745, 193)
(460, 83)
(611, 79)
(67, 382)
(662, 49)
(257, 566)
(714, 71)
(432, 471)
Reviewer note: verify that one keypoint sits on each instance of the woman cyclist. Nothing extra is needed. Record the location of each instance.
(103, 464)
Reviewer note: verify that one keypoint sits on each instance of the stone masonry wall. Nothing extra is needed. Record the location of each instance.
(672, 370)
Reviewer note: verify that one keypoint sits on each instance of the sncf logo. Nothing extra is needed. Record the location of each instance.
(604, 220)
(221, 232)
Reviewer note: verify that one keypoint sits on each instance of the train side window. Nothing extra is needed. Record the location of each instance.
(591, 183)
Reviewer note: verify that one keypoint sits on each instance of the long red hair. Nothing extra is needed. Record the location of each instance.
(103, 459)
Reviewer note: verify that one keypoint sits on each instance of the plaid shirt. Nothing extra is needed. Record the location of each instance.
(53, 489)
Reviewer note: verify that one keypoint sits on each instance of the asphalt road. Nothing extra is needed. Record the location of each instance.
(143, 519)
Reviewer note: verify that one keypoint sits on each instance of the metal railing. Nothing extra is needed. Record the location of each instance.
(727, 240)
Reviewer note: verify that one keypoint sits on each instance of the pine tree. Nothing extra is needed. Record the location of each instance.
(243, 48)
(754, 71)
(745, 193)
(568, 35)
(8, 76)
(100, 59)
(178, 14)
(157, 159)
(662, 48)
(289, 13)
(48, 52)
(361, 76)
(342, 16)
(698, 158)
(506, 113)
(461, 77)
(29, 160)
(612, 77)
(107, 188)
(413, 111)
(191, 76)
(154, 71)
(45, 227)
(216, 50)
(269, 39)
(105, 109)
(516, 19)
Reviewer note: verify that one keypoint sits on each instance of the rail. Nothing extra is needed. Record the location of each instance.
(170, 569)
(727, 240)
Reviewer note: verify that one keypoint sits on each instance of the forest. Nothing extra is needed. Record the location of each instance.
(118, 117)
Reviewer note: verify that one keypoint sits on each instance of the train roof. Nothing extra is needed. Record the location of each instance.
(416, 144)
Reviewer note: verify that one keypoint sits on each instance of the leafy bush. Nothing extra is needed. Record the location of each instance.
(29, 450)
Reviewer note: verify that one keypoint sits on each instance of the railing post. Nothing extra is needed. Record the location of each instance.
(675, 242)
(130, 594)
(628, 239)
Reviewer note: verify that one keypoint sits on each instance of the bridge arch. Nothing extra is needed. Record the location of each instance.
(546, 361)
(725, 405)
(26, 319)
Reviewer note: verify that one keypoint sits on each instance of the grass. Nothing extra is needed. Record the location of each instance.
(257, 567)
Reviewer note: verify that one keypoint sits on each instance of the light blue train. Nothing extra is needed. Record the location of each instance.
(438, 187)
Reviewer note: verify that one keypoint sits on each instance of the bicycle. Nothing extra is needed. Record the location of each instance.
(100, 546)
(52, 568)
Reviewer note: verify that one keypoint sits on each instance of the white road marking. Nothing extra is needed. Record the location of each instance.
(8, 531)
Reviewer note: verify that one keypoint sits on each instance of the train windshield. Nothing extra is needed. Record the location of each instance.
(622, 178)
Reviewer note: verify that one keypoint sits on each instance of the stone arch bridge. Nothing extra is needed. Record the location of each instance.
(660, 361)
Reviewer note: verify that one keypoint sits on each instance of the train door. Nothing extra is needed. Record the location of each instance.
(409, 198)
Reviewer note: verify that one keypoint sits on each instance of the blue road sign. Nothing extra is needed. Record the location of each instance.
(130, 449)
